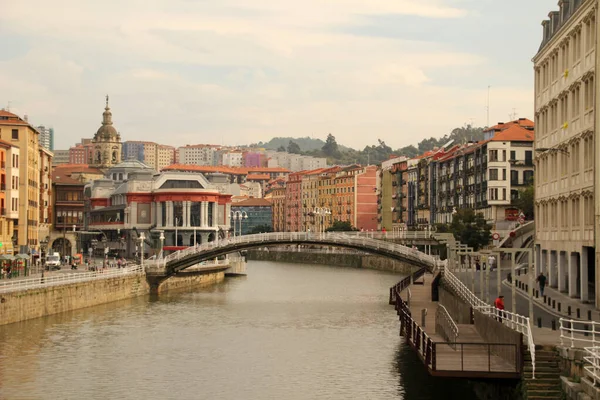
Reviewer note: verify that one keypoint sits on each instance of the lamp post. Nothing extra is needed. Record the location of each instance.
(238, 216)
(142, 238)
(321, 213)
(176, 237)
(162, 243)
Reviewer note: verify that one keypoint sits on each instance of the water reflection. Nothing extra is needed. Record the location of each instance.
(286, 332)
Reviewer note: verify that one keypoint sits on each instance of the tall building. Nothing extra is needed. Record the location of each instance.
(566, 205)
(61, 157)
(152, 154)
(46, 137)
(9, 196)
(106, 143)
(21, 134)
(200, 154)
(45, 193)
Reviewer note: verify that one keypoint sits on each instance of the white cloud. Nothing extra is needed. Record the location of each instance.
(235, 71)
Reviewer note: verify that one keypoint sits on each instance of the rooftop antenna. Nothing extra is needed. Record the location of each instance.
(488, 107)
(514, 114)
(8, 106)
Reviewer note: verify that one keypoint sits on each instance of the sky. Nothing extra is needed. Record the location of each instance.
(236, 72)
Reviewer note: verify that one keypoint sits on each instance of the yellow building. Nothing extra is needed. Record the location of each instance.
(20, 133)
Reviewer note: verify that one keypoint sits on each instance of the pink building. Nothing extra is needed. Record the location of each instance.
(252, 159)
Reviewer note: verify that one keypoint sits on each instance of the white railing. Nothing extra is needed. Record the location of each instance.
(578, 331)
(446, 324)
(331, 238)
(315, 251)
(515, 321)
(11, 285)
(592, 358)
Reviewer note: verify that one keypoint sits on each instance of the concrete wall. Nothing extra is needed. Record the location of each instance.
(340, 260)
(494, 332)
(35, 303)
(458, 309)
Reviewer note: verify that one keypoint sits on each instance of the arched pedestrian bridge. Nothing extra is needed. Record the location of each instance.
(180, 260)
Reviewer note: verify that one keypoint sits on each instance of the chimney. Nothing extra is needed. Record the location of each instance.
(545, 30)
(565, 10)
(554, 22)
(26, 118)
(500, 123)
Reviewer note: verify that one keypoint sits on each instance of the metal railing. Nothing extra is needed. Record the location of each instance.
(445, 325)
(315, 251)
(578, 331)
(515, 321)
(592, 358)
(11, 285)
(491, 349)
(328, 238)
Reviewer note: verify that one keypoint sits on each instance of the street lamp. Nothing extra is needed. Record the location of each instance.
(238, 216)
(321, 213)
(176, 237)
(142, 238)
(162, 243)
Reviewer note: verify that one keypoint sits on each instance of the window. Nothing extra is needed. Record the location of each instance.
(503, 194)
(493, 174)
(493, 155)
(514, 177)
(527, 177)
(15, 134)
(513, 155)
(493, 194)
(575, 212)
(503, 174)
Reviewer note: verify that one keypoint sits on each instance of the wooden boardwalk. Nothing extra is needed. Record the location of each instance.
(469, 357)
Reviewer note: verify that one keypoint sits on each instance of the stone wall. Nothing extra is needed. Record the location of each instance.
(494, 332)
(39, 302)
(458, 309)
(337, 259)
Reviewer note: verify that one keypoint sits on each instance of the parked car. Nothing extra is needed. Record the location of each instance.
(52, 262)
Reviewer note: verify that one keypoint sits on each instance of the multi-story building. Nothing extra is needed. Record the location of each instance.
(389, 194)
(45, 194)
(186, 208)
(155, 155)
(199, 154)
(294, 162)
(21, 134)
(9, 196)
(565, 186)
(254, 159)
(293, 202)
(61, 157)
(276, 196)
(46, 137)
(68, 214)
(259, 215)
(78, 154)
(233, 158)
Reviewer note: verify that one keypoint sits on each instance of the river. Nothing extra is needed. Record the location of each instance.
(286, 331)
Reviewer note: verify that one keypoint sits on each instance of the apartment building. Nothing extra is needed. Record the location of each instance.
(566, 203)
(45, 193)
(46, 137)
(157, 156)
(9, 196)
(233, 159)
(25, 137)
(200, 154)
(276, 196)
(61, 157)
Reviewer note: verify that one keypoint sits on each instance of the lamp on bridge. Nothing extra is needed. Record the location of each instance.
(162, 243)
(142, 238)
(238, 216)
(321, 213)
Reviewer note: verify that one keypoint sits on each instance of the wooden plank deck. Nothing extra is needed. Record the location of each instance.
(470, 357)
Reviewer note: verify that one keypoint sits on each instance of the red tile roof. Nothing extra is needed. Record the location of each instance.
(223, 169)
(514, 133)
(259, 177)
(252, 202)
(524, 122)
(8, 118)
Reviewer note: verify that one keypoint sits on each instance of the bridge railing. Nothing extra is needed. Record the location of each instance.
(445, 325)
(330, 238)
(592, 360)
(11, 285)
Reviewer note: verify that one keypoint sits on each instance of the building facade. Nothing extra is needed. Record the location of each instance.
(276, 195)
(567, 208)
(259, 215)
(46, 137)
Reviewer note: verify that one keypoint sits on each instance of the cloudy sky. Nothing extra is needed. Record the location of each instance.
(239, 71)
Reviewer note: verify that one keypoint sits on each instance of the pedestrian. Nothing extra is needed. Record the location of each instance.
(477, 265)
(491, 262)
(541, 280)
(8, 269)
(499, 304)
(509, 277)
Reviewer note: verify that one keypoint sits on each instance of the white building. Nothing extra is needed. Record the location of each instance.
(294, 162)
(233, 159)
(567, 210)
(199, 154)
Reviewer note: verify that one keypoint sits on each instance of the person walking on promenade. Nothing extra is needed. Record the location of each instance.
(499, 304)
(541, 280)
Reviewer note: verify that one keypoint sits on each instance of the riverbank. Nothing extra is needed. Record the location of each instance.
(341, 259)
(42, 301)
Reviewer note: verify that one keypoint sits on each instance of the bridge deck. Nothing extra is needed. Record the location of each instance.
(470, 357)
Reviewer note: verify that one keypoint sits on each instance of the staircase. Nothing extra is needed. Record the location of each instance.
(547, 383)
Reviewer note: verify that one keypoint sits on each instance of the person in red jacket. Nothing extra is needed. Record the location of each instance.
(499, 304)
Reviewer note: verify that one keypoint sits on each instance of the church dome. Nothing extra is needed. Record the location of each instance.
(107, 132)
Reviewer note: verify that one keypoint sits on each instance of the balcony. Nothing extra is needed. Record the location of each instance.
(3, 164)
(3, 186)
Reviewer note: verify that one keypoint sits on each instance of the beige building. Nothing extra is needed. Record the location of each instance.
(157, 156)
(565, 91)
(21, 134)
(45, 203)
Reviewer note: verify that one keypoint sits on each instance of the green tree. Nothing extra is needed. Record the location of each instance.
(293, 148)
(330, 148)
(261, 229)
(525, 201)
(469, 228)
(281, 148)
(341, 226)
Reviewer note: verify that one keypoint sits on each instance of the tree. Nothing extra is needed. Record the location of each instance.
(293, 148)
(261, 229)
(281, 148)
(330, 148)
(525, 201)
(341, 226)
(469, 228)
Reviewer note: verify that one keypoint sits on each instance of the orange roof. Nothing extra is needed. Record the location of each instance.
(267, 169)
(68, 169)
(8, 118)
(514, 133)
(524, 122)
(252, 202)
(222, 169)
(258, 177)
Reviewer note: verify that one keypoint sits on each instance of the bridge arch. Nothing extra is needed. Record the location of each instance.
(183, 259)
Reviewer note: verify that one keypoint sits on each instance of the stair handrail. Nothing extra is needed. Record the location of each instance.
(593, 359)
(448, 327)
(574, 330)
